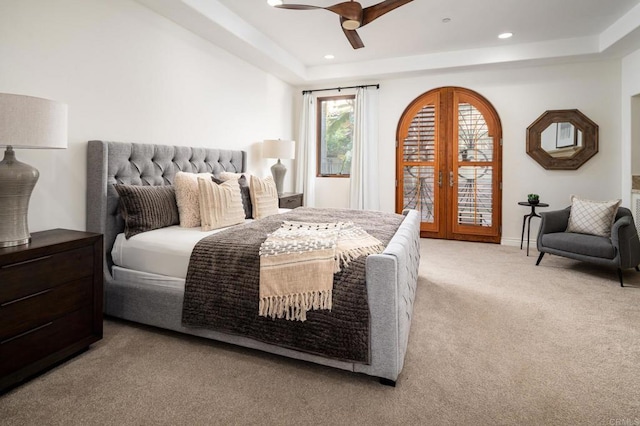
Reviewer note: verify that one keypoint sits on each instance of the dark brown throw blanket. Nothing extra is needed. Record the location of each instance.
(222, 288)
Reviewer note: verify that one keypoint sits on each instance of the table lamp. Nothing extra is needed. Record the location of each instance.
(25, 122)
(277, 148)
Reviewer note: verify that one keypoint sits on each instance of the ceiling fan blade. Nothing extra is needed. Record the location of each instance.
(377, 10)
(352, 36)
(297, 7)
(348, 10)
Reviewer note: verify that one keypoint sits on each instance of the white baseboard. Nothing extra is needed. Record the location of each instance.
(516, 242)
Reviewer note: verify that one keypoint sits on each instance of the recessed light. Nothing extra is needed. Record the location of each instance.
(274, 2)
(446, 20)
(329, 56)
(505, 35)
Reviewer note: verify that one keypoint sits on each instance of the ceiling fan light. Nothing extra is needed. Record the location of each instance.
(274, 2)
(350, 24)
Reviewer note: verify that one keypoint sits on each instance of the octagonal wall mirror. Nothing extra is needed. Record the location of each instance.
(562, 139)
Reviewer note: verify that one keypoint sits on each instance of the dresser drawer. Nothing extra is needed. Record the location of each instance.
(38, 274)
(37, 343)
(20, 315)
(290, 201)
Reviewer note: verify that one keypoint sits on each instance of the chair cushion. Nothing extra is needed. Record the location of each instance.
(587, 245)
(592, 217)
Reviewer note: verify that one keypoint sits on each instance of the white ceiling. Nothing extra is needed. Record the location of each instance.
(413, 38)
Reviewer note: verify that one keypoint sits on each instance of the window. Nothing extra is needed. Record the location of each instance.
(335, 135)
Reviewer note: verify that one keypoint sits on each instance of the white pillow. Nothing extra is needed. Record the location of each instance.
(220, 205)
(229, 175)
(186, 186)
(592, 217)
(264, 197)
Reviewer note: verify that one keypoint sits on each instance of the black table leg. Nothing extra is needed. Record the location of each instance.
(528, 232)
(524, 220)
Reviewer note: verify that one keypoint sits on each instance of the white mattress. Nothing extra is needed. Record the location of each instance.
(146, 279)
(164, 251)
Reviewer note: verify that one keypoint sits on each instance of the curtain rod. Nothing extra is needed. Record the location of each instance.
(377, 86)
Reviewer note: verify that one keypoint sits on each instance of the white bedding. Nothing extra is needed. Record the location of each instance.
(164, 251)
(147, 279)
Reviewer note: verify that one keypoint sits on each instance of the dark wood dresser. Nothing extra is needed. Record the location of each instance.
(50, 301)
(290, 200)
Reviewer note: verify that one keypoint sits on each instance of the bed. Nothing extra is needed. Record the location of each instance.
(156, 299)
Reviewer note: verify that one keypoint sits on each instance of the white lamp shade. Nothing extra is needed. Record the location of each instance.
(28, 122)
(276, 148)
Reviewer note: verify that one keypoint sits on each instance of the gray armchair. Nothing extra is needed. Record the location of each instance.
(622, 250)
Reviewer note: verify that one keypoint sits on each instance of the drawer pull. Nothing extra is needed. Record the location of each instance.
(26, 297)
(26, 332)
(38, 259)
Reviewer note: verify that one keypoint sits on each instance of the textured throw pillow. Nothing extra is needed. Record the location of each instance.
(264, 197)
(145, 208)
(230, 175)
(186, 185)
(246, 197)
(220, 205)
(592, 217)
(244, 190)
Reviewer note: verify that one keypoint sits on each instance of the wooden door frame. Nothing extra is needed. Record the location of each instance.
(446, 99)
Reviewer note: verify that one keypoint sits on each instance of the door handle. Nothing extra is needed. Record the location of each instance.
(451, 178)
(440, 179)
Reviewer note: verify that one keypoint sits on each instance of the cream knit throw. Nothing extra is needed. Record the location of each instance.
(297, 263)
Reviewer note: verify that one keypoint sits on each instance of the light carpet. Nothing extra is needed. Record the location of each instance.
(494, 340)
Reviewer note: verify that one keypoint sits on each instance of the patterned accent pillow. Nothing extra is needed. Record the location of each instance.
(145, 208)
(264, 197)
(592, 217)
(186, 185)
(244, 190)
(220, 205)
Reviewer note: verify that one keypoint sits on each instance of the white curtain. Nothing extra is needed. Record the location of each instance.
(364, 192)
(306, 152)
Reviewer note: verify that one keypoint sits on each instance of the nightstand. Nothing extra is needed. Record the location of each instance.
(50, 301)
(289, 200)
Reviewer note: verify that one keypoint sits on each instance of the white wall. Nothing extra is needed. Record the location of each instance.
(520, 96)
(630, 86)
(130, 75)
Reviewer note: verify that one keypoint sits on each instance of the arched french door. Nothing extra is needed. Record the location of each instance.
(449, 165)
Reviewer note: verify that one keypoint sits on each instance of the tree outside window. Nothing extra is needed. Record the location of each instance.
(335, 135)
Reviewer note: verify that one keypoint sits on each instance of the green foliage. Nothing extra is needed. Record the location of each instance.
(338, 135)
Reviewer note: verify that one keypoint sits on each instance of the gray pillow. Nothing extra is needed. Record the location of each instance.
(145, 208)
(246, 195)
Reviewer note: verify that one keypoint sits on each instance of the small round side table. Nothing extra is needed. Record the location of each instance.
(529, 216)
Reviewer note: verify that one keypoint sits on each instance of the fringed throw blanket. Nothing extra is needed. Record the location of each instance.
(297, 263)
(222, 288)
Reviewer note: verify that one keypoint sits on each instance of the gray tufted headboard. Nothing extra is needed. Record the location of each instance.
(142, 164)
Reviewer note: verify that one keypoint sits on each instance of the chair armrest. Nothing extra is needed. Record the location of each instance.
(554, 221)
(624, 237)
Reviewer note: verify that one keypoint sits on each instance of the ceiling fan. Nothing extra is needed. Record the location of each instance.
(353, 15)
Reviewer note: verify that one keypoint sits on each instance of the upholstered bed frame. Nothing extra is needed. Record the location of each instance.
(391, 276)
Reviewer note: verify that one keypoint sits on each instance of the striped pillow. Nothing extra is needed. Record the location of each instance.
(264, 197)
(244, 190)
(592, 217)
(145, 208)
(220, 205)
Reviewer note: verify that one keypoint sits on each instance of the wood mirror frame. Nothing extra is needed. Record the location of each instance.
(589, 143)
